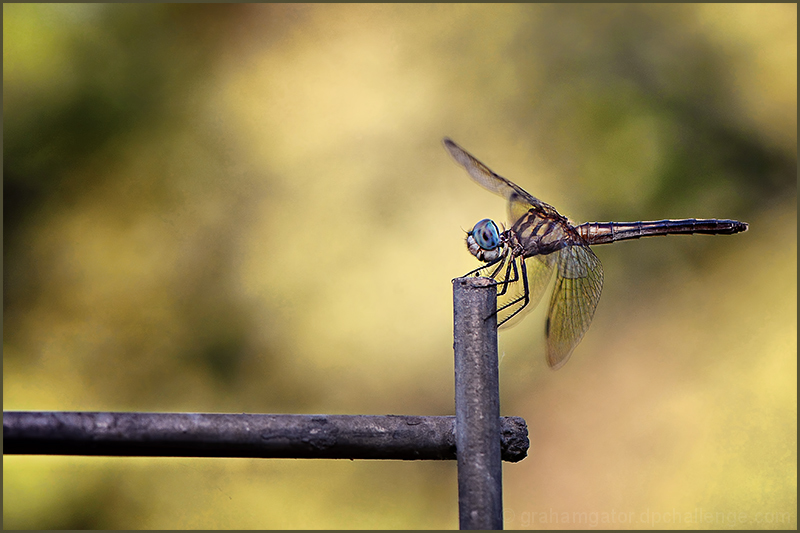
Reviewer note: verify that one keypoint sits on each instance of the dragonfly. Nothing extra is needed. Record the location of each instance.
(521, 259)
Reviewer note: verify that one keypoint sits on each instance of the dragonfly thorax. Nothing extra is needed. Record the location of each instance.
(485, 241)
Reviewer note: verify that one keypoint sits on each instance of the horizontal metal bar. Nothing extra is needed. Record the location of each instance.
(244, 435)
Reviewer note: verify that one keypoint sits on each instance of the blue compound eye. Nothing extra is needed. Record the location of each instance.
(486, 234)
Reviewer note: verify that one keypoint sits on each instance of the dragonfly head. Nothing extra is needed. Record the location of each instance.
(485, 241)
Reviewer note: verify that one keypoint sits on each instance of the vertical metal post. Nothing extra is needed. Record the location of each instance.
(480, 489)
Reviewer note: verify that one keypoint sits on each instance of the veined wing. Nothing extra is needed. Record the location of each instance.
(519, 201)
(578, 286)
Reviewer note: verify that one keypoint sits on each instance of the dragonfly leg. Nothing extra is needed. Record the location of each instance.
(497, 270)
(484, 267)
(512, 265)
(525, 298)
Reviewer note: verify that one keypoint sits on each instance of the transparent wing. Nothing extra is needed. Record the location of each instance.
(519, 201)
(578, 285)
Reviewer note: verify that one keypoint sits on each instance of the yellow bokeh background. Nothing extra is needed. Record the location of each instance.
(247, 208)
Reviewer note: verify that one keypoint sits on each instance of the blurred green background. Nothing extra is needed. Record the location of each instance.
(247, 208)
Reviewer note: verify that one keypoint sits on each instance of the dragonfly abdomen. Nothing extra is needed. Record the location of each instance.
(607, 232)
